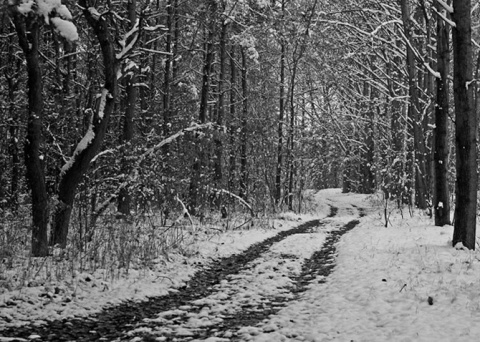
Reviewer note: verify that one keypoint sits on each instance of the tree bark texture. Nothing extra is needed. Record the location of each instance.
(281, 115)
(441, 196)
(28, 30)
(465, 126)
(243, 137)
(124, 197)
(232, 121)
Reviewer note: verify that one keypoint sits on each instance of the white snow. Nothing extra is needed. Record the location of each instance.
(401, 283)
(103, 102)
(25, 6)
(82, 145)
(65, 28)
(45, 8)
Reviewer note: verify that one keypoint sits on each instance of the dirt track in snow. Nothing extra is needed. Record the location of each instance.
(165, 317)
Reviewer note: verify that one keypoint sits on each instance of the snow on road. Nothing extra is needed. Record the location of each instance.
(269, 276)
(401, 283)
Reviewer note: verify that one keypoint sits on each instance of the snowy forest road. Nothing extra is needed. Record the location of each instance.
(224, 300)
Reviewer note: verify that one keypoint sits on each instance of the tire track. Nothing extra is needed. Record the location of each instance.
(321, 263)
(113, 323)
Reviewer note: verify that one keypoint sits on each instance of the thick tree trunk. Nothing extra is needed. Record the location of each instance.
(441, 200)
(74, 170)
(465, 126)
(28, 31)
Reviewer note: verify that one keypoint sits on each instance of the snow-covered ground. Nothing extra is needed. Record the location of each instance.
(401, 283)
(81, 294)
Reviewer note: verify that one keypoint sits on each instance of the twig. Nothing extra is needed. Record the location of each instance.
(184, 211)
(241, 200)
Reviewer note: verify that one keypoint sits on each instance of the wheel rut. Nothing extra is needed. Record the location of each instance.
(114, 323)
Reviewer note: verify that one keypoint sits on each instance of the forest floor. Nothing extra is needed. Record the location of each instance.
(338, 275)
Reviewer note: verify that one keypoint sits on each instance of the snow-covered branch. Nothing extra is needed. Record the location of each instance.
(374, 32)
(53, 13)
(90, 134)
(447, 7)
(241, 200)
(129, 41)
(444, 17)
(138, 163)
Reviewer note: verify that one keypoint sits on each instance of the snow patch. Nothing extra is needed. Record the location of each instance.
(53, 12)
(65, 28)
(82, 145)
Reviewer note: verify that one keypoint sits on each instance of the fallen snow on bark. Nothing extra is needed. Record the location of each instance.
(81, 146)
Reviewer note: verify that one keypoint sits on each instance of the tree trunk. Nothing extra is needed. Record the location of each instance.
(281, 115)
(218, 173)
(419, 167)
(291, 143)
(28, 31)
(233, 99)
(441, 200)
(124, 197)
(205, 93)
(87, 148)
(243, 138)
(465, 126)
